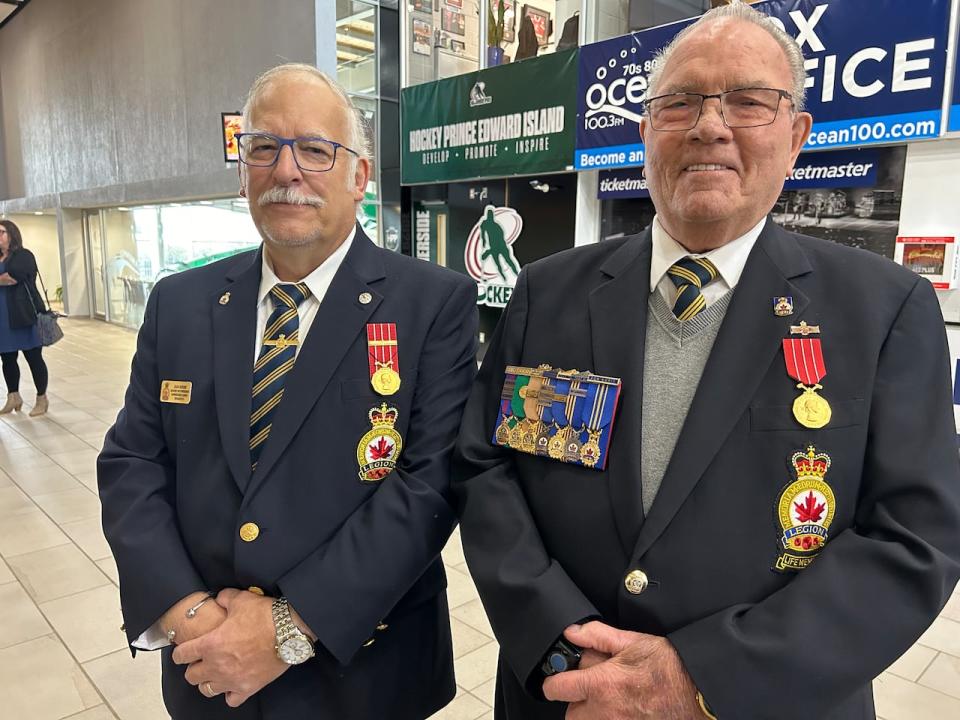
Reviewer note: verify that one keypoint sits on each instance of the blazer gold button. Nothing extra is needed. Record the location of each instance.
(382, 626)
(636, 582)
(249, 532)
(255, 590)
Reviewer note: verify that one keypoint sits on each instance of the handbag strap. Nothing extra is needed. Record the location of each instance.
(44, 293)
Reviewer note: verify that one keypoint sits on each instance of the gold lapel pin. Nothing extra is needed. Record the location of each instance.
(365, 298)
(225, 298)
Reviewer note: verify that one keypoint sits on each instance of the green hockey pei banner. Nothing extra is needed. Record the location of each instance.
(508, 120)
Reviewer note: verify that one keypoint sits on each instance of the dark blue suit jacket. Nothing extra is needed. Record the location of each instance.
(549, 544)
(176, 485)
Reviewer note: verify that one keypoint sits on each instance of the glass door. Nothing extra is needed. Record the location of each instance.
(95, 265)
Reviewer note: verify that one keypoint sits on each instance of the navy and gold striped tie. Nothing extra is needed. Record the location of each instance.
(279, 351)
(690, 275)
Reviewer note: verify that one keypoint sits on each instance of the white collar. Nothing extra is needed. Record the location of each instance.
(729, 259)
(318, 281)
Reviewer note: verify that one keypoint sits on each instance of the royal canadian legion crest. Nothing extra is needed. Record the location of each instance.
(805, 511)
(379, 449)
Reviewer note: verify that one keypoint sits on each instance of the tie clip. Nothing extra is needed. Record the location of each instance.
(282, 342)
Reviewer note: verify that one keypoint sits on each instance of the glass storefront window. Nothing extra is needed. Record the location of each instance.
(536, 27)
(143, 244)
(443, 38)
(357, 46)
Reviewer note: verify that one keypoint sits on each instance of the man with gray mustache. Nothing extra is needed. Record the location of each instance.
(765, 511)
(276, 487)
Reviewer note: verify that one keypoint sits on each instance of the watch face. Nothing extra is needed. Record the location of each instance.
(295, 650)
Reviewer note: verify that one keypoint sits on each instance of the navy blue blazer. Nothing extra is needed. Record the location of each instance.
(176, 486)
(549, 544)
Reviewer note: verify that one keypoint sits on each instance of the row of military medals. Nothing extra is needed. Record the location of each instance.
(379, 449)
(532, 422)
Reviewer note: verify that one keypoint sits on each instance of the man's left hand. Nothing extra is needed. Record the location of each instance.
(644, 678)
(239, 658)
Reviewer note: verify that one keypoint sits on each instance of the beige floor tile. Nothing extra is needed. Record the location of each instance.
(55, 572)
(71, 505)
(952, 610)
(20, 620)
(62, 442)
(6, 575)
(465, 638)
(88, 622)
(453, 552)
(943, 635)
(88, 534)
(5, 480)
(463, 707)
(88, 480)
(943, 675)
(899, 699)
(14, 501)
(477, 667)
(12, 440)
(130, 685)
(77, 461)
(487, 691)
(22, 459)
(28, 531)
(40, 681)
(109, 567)
(473, 614)
(913, 662)
(100, 712)
(460, 588)
(45, 480)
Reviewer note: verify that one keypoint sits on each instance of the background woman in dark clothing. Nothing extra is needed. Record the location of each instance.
(19, 301)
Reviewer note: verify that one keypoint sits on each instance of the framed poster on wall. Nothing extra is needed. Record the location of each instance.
(423, 5)
(509, 19)
(230, 124)
(453, 22)
(422, 32)
(454, 3)
(541, 23)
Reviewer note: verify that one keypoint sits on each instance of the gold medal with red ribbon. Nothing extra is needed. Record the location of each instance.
(383, 357)
(804, 360)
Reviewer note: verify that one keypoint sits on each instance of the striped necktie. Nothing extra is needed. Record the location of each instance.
(690, 275)
(279, 351)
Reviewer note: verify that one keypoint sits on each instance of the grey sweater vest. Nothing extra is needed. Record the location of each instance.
(676, 353)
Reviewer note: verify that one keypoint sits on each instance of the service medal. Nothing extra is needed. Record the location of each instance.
(383, 357)
(803, 358)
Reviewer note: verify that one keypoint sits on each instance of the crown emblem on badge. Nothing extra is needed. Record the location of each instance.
(811, 464)
(383, 416)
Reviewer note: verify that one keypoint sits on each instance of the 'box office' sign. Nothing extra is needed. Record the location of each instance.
(507, 120)
(875, 75)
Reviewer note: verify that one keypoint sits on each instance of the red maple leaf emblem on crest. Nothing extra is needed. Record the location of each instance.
(809, 510)
(380, 449)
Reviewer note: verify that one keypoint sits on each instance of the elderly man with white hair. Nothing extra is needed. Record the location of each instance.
(276, 487)
(750, 506)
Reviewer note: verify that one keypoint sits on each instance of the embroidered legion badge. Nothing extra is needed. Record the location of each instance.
(565, 415)
(379, 449)
(805, 511)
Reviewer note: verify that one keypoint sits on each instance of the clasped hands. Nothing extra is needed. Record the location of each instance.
(229, 646)
(624, 674)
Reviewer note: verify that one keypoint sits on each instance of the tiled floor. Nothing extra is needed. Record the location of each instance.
(61, 652)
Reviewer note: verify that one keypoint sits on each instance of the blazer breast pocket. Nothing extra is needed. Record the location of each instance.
(844, 413)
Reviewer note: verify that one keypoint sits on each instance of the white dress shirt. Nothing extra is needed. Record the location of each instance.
(318, 281)
(729, 260)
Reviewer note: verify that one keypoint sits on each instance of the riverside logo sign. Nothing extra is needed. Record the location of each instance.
(875, 75)
(507, 120)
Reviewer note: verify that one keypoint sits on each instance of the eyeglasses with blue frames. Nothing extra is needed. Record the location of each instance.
(740, 108)
(312, 154)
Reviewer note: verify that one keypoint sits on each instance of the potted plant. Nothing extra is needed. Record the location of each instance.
(495, 33)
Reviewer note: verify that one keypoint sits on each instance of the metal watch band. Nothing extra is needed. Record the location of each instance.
(283, 621)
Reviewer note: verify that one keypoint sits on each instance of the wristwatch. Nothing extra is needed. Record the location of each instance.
(293, 647)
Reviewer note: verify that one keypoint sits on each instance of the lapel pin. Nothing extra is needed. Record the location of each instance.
(783, 306)
(365, 298)
(225, 298)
